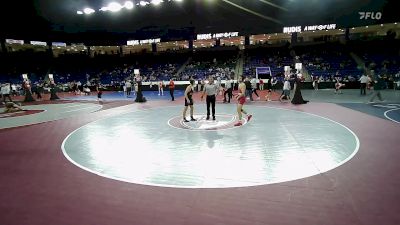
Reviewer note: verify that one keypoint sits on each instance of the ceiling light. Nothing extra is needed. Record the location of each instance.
(156, 2)
(88, 11)
(114, 7)
(129, 5)
(79, 12)
(143, 3)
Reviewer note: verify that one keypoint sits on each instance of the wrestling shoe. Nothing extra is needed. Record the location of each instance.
(249, 117)
(193, 119)
(185, 120)
(238, 124)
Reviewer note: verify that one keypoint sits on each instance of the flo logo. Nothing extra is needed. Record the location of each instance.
(370, 15)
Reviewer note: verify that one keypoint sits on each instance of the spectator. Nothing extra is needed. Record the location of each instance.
(363, 84)
(5, 92)
(171, 89)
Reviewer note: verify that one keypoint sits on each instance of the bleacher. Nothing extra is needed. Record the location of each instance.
(321, 60)
(274, 57)
(328, 60)
(218, 62)
(377, 57)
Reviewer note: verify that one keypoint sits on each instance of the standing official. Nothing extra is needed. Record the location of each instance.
(210, 90)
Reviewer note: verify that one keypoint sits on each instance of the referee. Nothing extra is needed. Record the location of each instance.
(210, 90)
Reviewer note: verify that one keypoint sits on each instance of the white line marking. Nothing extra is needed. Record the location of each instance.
(385, 106)
(387, 117)
(202, 187)
(36, 107)
(82, 109)
(73, 106)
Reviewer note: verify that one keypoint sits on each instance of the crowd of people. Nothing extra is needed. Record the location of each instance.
(82, 74)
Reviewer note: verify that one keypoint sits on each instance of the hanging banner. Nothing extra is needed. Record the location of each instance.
(217, 35)
(297, 29)
(147, 41)
(59, 44)
(12, 41)
(41, 43)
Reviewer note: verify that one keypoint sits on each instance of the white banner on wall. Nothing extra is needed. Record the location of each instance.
(147, 41)
(41, 43)
(294, 29)
(217, 35)
(59, 44)
(12, 41)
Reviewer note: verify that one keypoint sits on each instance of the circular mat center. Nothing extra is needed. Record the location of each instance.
(201, 123)
(144, 147)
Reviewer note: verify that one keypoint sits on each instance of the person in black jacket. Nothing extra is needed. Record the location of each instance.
(298, 98)
(248, 88)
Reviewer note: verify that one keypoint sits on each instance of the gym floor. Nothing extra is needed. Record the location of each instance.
(78, 161)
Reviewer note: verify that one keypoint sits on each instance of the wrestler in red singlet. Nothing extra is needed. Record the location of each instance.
(242, 99)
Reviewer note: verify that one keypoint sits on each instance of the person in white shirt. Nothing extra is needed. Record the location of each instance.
(338, 86)
(210, 91)
(363, 84)
(160, 88)
(286, 90)
(14, 89)
(5, 92)
(218, 83)
(124, 88)
(315, 82)
(274, 81)
(228, 90)
(79, 87)
(86, 90)
(397, 81)
(128, 86)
